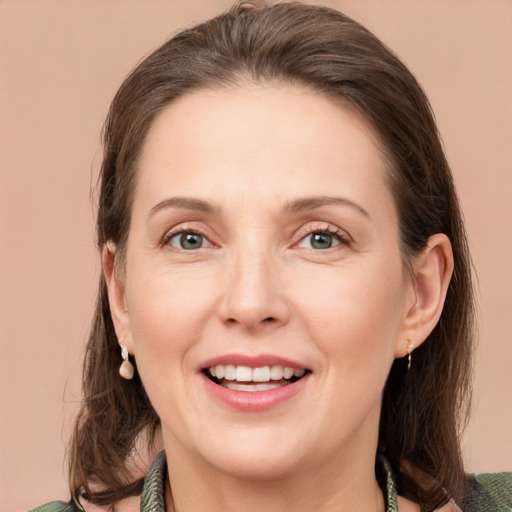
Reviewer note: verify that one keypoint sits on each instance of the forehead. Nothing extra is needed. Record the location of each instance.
(257, 140)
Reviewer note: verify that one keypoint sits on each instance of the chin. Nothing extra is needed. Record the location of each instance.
(254, 458)
(256, 468)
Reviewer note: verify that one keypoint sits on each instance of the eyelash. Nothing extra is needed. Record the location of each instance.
(336, 233)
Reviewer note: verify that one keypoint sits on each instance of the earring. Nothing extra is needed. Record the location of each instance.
(126, 370)
(410, 348)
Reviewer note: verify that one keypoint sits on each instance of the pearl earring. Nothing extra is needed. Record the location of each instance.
(126, 370)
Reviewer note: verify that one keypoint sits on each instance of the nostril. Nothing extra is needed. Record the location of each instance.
(269, 319)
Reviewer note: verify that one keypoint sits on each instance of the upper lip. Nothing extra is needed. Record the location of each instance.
(253, 361)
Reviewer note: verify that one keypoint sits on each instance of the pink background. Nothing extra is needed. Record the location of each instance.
(61, 62)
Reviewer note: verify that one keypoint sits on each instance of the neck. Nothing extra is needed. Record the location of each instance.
(324, 489)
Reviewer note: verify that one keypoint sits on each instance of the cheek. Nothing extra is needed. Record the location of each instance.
(167, 310)
(167, 314)
(355, 315)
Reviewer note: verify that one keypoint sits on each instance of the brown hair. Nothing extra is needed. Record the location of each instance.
(423, 409)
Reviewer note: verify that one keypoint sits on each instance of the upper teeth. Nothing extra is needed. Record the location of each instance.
(248, 374)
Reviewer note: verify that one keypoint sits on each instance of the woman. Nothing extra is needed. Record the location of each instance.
(286, 289)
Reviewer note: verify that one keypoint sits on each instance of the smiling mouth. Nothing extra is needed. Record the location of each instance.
(245, 378)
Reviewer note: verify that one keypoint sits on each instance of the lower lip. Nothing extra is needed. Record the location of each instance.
(254, 401)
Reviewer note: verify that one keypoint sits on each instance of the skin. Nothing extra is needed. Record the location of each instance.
(258, 285)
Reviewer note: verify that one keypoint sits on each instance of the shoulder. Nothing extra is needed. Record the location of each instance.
(152, 498)
(490, 492)
(55, 506)
(499, 487)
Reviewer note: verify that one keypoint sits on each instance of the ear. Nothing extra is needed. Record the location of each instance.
(116, 295)
(431, 274)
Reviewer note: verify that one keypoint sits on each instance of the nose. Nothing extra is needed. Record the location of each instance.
(254, 297)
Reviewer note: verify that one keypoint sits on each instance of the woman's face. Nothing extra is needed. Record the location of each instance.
(264, 243)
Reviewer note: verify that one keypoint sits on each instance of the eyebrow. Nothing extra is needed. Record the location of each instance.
(186, 203)
(311, 203)
(296, 206)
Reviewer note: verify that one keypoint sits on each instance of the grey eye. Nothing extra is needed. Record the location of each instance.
(319, 240)
(188, 241)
